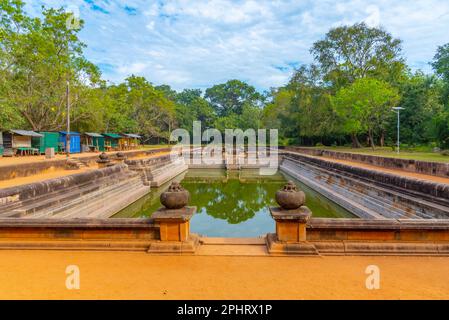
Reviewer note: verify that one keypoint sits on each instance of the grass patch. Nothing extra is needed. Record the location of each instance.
(388, 152)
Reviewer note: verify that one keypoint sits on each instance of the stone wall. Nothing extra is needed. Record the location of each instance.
(379, 237)
(425, 167)
(28, 169)
(85, 234)
(319, 229)
(27, 191)
(435, 190)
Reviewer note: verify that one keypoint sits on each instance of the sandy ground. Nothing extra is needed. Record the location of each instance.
(388, 170)
(50, 174)
(127, 275)
(5, 161)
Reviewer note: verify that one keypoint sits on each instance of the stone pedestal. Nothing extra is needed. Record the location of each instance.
(291, 224)
(120, 157)
(103, 161)
(174, 224)
(291, 235)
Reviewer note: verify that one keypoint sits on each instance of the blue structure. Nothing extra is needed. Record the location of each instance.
(75, 141)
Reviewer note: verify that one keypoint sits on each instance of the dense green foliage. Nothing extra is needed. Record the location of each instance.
(347, 94)
(343, 98)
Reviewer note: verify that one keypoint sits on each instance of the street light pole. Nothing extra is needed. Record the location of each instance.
(67, 144)
(398, 110)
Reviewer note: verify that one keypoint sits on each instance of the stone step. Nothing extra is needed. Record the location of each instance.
(341, 200)
(371, 195)
(378, 205)
(79, 162)
(86, 198)
(112, 207)
(44, 202)
(107, 205)
(167, 174)
(395, 210)
(101, 182)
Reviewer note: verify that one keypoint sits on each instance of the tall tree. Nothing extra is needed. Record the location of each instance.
(230, 97)
(349, 53)
(38, 57)
(440, 64)
(191, 106)
(365, 105)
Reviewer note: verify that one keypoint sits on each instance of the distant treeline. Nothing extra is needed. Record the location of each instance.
(345, 97)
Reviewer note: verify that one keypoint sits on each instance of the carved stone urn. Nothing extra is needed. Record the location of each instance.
(289, 197)
(176, 197)
(103, 157)
(120, 156)
(103, 160)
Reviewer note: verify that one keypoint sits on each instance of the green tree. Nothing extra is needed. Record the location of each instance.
(440, 65)
(349, 53)
(230, 97)
(38, 57)
(191, 106)
(420, 98)
(365, 106)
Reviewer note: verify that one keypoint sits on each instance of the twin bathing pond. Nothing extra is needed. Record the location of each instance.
(233, 203)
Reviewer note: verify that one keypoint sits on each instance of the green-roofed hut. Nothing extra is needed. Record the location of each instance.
(111, 141)
(92, 141)
(48, 140)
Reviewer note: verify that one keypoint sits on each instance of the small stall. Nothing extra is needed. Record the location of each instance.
(75, 142)
(92, 141)
(111, 141)
(48, 140)
(19, 142)
(129, 141)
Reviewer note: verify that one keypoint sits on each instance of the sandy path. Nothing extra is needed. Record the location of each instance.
(54, 173)
(117, 275)
(50, 174)
(5, 161)
(388, 170)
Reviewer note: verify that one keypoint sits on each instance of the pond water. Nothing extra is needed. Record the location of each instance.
(233, 204)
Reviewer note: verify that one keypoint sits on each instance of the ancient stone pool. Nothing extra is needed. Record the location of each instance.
(233, 203)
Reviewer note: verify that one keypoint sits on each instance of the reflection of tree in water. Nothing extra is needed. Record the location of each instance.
(232, 201)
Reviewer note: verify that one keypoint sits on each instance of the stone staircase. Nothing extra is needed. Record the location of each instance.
(99, 198)
(79, 162)
(160, 174)
(363, 198)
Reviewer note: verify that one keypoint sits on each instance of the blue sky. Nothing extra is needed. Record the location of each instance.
(199, 43)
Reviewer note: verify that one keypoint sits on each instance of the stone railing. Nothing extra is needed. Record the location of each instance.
(417, 166)
(299, 234)
(168, 231)
(86, 234)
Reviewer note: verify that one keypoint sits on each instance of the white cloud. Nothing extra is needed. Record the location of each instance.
(198, 43)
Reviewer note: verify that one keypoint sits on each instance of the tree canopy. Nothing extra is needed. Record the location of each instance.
(343, 97)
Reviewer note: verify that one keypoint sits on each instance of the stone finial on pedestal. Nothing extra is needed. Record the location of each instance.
(103, 160)
(120, 157)
(291, 219)
(174, 217)
(289, 197)
(176, 197)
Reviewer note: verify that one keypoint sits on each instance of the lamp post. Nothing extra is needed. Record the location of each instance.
(398, 110)
(67, 144)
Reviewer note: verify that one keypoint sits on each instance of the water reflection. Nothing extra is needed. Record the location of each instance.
(232, 204)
